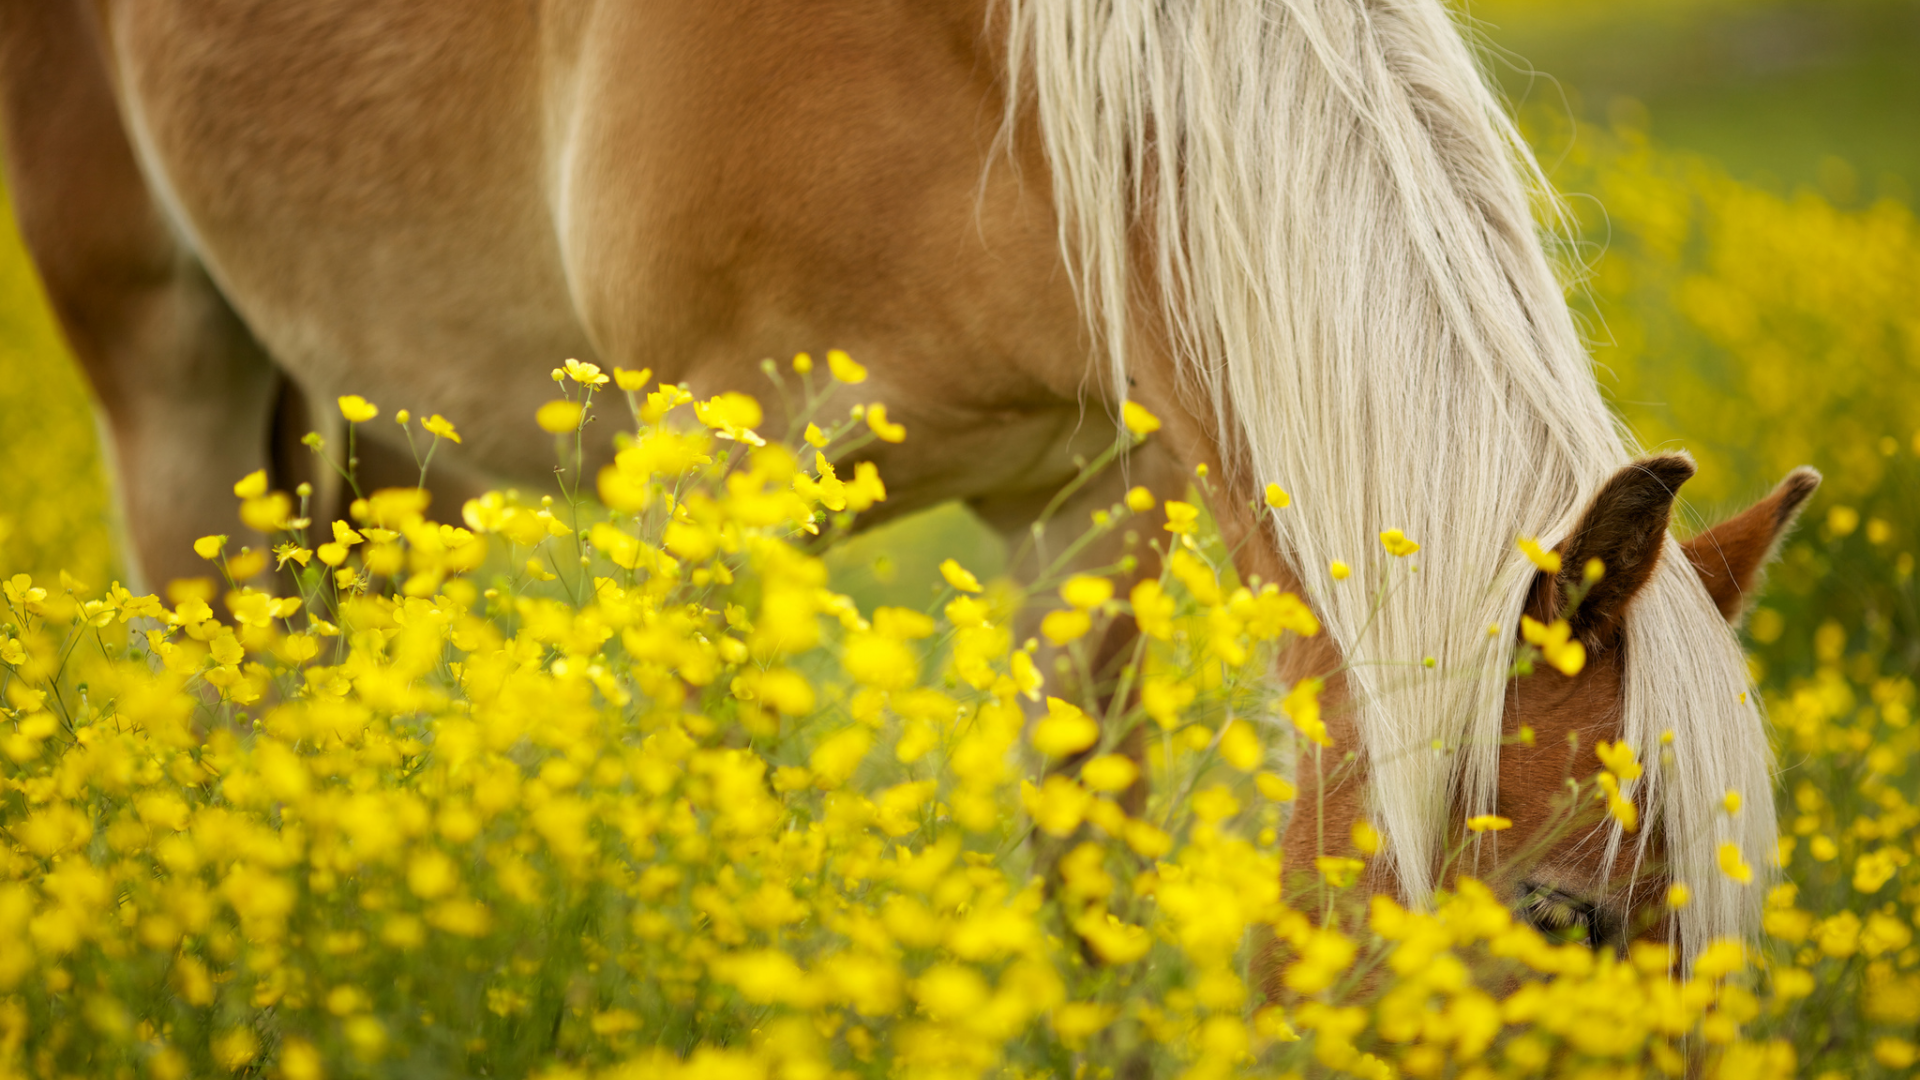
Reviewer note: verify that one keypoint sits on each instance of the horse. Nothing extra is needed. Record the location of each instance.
(1300, 232)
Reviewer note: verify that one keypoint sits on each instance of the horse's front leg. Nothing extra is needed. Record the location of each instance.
(188, 396)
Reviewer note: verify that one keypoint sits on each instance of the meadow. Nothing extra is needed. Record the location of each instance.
(661, 774)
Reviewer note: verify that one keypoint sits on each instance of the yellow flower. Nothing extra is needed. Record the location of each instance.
(1842, 520)
(440, 427)
(732, 416)
(1109, 772)
(1397, 544)
(1057, 806)
(251, 486)
(1733, 865)
(1339, 870)
(235, 1048)
(1138, 420)
(1895, 1053)
(1619, 807)
(815, 437)
(558, 417)
(632, 381)
(584, 374)
(886, 430)
(1086, 592)
(1116, 942)
(843, 367)
(1547, 561)
(1240, 746)
(1618, 758)
(1275, 787)
(1721, 957)
(1164, 699)
(1339, 570)
(268, 513)
(802, 363)
(1366, 838)
(1872, 870)
(1277, 497)
(1302, 706)
(1065, 730)
(1061, 627)
(1325, 953)
(208, 547)
(356, 409)
(1557, 646)
(1182, 518)
(1488, 823)
(1077, 1021)
(1139, 500)
(403, 417)
(1678, 895)
(300, 1061)
(1731, 801)
(959, 576)
(884, 662)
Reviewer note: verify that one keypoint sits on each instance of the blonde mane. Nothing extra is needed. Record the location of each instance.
(1338, 220)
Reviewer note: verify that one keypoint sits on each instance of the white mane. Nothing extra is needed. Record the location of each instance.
(1337, 215)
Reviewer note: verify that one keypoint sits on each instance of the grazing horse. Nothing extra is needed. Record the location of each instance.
(1302, 232)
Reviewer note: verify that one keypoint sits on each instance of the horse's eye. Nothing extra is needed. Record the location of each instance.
(1561, 916)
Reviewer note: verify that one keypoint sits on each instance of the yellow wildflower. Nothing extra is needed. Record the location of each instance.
(251, 486)
(559, 416)
(1302, 706)
(440, 427)
(1138, 420)
(886, 430)
(585, 374)
(1547, 560)
(1085, 592)
(1339, 871)
(1275, 787)
(1557, 646)
(1366, 838)
(843, 367)
(1061, 627)
(1182, 518)
(959, 576)
(1397, 544)
(1733, 864)
(356, 409)
(1065, 730)
(1618, 758)
(1109, 772)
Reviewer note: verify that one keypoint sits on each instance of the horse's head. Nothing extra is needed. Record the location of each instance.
(1557, 862)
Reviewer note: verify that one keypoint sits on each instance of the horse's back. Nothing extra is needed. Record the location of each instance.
(434, 203)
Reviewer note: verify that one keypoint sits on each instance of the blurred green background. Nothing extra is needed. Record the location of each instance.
(1742, 173)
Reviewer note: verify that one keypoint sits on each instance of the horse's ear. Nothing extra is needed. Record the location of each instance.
(1731, 555)
(1624, 528)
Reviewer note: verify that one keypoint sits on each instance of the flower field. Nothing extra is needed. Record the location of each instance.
(620, 781)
